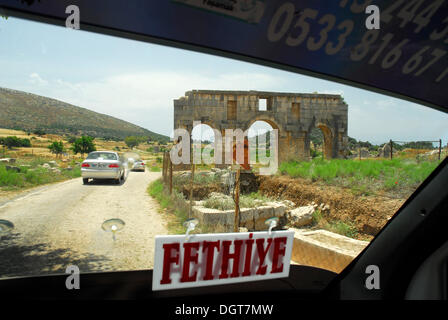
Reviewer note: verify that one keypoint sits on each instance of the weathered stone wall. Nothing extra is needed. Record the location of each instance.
(293, 114)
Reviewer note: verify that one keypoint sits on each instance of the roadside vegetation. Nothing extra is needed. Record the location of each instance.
(348, 229)
(172, 206)
(29, 175)
(369, 176)
(175, 209)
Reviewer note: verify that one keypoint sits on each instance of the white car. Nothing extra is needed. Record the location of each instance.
(139, 165)
(103, 165)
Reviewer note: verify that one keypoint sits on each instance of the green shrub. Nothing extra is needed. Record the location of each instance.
(219, 203)
(13, 141)
(317, 216)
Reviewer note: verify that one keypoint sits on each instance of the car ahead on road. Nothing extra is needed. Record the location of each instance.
(103, 165)
(139, 165)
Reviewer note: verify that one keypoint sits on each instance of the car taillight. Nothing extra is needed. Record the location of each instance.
(85, 165)
(113, 165)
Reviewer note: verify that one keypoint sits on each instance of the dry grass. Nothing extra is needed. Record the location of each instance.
(10, 132)
(40, 149)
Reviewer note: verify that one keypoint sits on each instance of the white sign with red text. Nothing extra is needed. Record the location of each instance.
(222, 258)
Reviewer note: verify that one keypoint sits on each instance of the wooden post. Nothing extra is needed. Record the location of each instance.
(163, 168)
(359, 152)
(171, 175)
(391, 149)
(440, 148)
(236, 224)
(191, 190)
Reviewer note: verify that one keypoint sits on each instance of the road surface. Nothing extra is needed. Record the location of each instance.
(60, 225)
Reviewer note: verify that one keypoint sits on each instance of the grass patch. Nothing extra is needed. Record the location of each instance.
(29, 177)
(343, 228)
(366, 176)
(337, 226)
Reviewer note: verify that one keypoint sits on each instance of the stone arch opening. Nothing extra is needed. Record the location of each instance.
(203, 132)
(316, 142)
(203, 137)
(327, 145)
(259, 131)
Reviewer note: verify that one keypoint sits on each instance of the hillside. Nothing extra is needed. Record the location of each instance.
(28, 112)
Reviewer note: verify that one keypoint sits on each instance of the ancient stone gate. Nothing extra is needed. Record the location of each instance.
(293, 114)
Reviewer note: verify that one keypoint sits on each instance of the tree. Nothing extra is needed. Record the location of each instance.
(56, 148)
(83, 145)
(39, 132)
(13, 141)
(131, 141)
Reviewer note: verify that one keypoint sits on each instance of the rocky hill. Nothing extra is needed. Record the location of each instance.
(29, 112)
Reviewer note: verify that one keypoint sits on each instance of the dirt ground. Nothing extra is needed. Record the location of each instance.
(368, 213)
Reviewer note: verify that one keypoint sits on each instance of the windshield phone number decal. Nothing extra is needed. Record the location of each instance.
(294, 27)
(403, 52)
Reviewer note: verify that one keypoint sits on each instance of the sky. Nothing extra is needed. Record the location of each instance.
(137, 81)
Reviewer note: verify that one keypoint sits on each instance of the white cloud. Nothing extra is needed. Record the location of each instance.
(146, 98)
(339, 92)
(37, 80)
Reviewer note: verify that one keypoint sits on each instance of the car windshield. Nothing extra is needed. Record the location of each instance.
(332, 162)
(102, 155)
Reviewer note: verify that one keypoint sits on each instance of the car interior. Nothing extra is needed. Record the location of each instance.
(411, 250)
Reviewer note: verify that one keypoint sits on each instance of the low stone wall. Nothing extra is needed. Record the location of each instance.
(324, 249)
(318, 248)
(251, 218)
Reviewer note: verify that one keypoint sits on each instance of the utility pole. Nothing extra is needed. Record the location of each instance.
(171, 175)
(237, 200)
(391, 149)
(191, 190)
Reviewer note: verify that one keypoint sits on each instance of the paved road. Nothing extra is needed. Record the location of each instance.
(60, 225)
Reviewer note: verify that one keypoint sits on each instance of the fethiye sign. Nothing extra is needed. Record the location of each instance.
(215, 259)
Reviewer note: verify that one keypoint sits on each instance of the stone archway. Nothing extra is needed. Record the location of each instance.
(293, 114)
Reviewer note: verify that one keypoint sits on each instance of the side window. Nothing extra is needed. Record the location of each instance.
(231, 110)
(296, 110)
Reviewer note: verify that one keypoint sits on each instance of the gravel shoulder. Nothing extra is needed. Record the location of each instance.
(60, 225)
